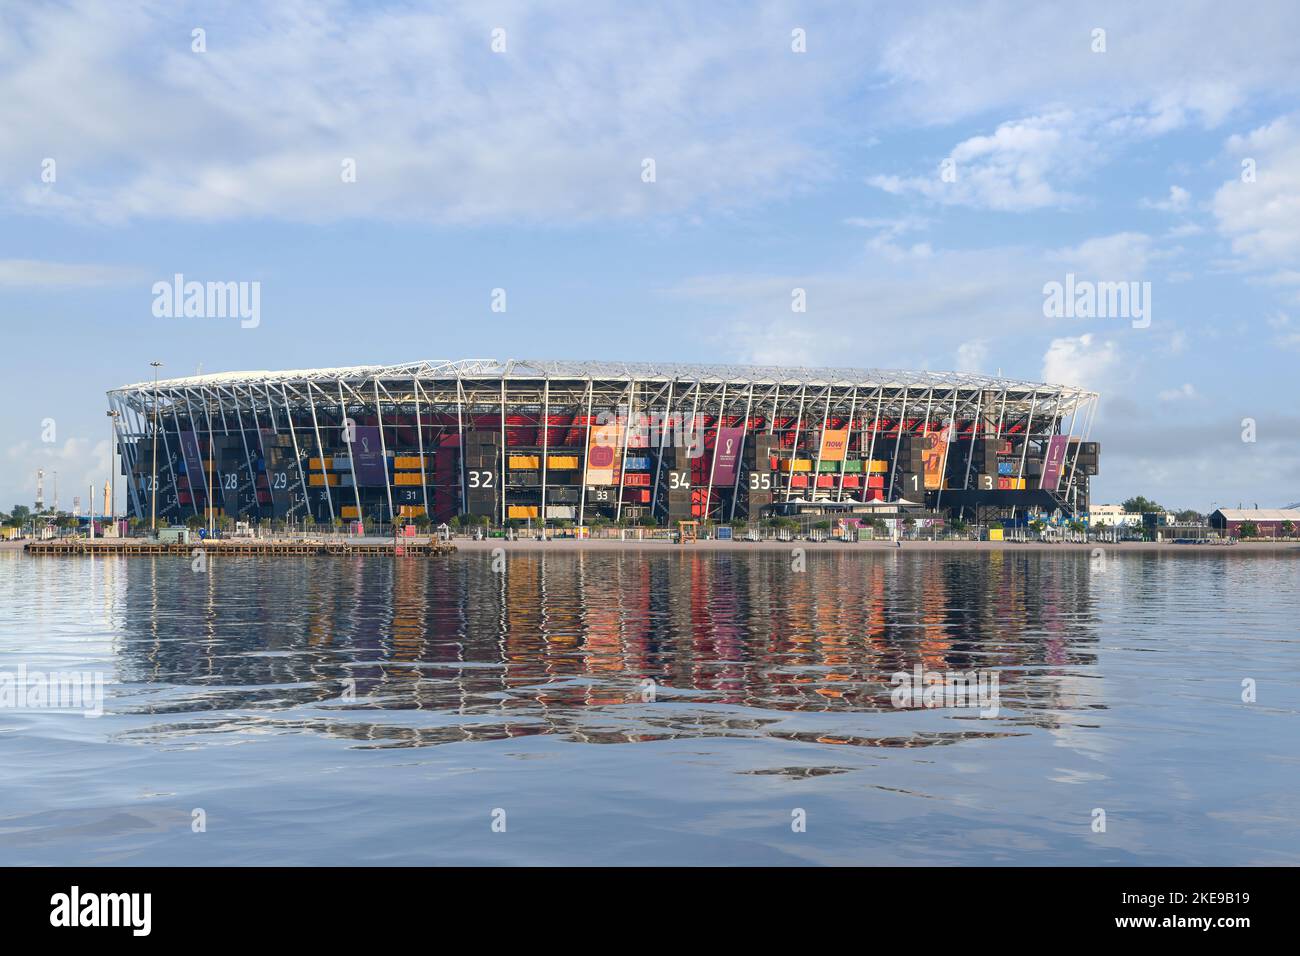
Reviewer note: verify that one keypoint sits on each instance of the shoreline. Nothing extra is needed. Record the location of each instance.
(110, 547)
(603, 544)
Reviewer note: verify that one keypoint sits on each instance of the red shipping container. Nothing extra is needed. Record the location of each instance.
(799, 481)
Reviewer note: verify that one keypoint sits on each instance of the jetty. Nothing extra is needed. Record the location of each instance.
(284, 547)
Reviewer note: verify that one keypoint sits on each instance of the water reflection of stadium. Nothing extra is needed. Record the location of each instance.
(445, 650)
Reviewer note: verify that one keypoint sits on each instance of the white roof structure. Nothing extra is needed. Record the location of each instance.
(618, 371)
(1260, 514)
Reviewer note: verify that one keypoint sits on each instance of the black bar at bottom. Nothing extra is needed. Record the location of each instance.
(337, 906)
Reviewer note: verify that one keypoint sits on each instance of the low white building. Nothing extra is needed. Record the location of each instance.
(1113, 516)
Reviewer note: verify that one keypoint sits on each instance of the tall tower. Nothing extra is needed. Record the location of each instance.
(40, 490)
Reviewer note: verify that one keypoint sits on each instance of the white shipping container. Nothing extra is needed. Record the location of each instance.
(561, 511)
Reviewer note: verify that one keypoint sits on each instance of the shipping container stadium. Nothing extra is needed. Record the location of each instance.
(570, 442)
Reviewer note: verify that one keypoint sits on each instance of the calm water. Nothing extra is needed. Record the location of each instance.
(518, 696)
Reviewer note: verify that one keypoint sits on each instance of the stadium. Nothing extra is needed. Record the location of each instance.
(563, 442)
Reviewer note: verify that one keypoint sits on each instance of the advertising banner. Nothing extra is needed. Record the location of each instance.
(603, 452)
(726, 455)
(368, 458)
(1052, 464)
(281, 478)
(193, 462)
(835, 441)
(934, 455)
(232, 479)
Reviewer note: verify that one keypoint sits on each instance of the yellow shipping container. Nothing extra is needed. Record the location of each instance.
(527, 462)
(320, 479)
(315, 464)
(406, 478)
(878, 466)
(562, 462)
(350, 511)
(411, 511)
(798, 464)
(409, 461)
(995, 534)
(522, 511)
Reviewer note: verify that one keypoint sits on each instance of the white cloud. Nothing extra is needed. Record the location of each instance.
(1177, 201)
(1200, 462)
(1160, 73)
(554, 130)
(1123, 255)
(441, 128)
(972, 356)
(1082, 360)
(1182, 393)
(1007, 170)
(1262, 218)
(1288, 336)
(889, 231)
(33, 272)
(78, 462)
(909, 310)
(1165, 66)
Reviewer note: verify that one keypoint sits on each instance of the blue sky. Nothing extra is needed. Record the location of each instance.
(774, 169)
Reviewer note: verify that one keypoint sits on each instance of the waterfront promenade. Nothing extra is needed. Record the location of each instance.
(425, 546)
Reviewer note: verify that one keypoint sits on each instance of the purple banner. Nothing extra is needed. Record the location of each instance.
(1052, 465)
(726, 455)
(368, 458)
(193, 462)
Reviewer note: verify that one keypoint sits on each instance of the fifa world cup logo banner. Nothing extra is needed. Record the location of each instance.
(193, 464)
(368, 456)
(835, 442)
(726, 454)
(1052, 465)
(934, 454)
(602, 452)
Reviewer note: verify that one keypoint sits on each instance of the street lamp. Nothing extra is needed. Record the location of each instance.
(113, 415)
(153, 500)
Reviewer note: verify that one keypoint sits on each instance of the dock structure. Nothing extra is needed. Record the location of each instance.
(142, 546)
